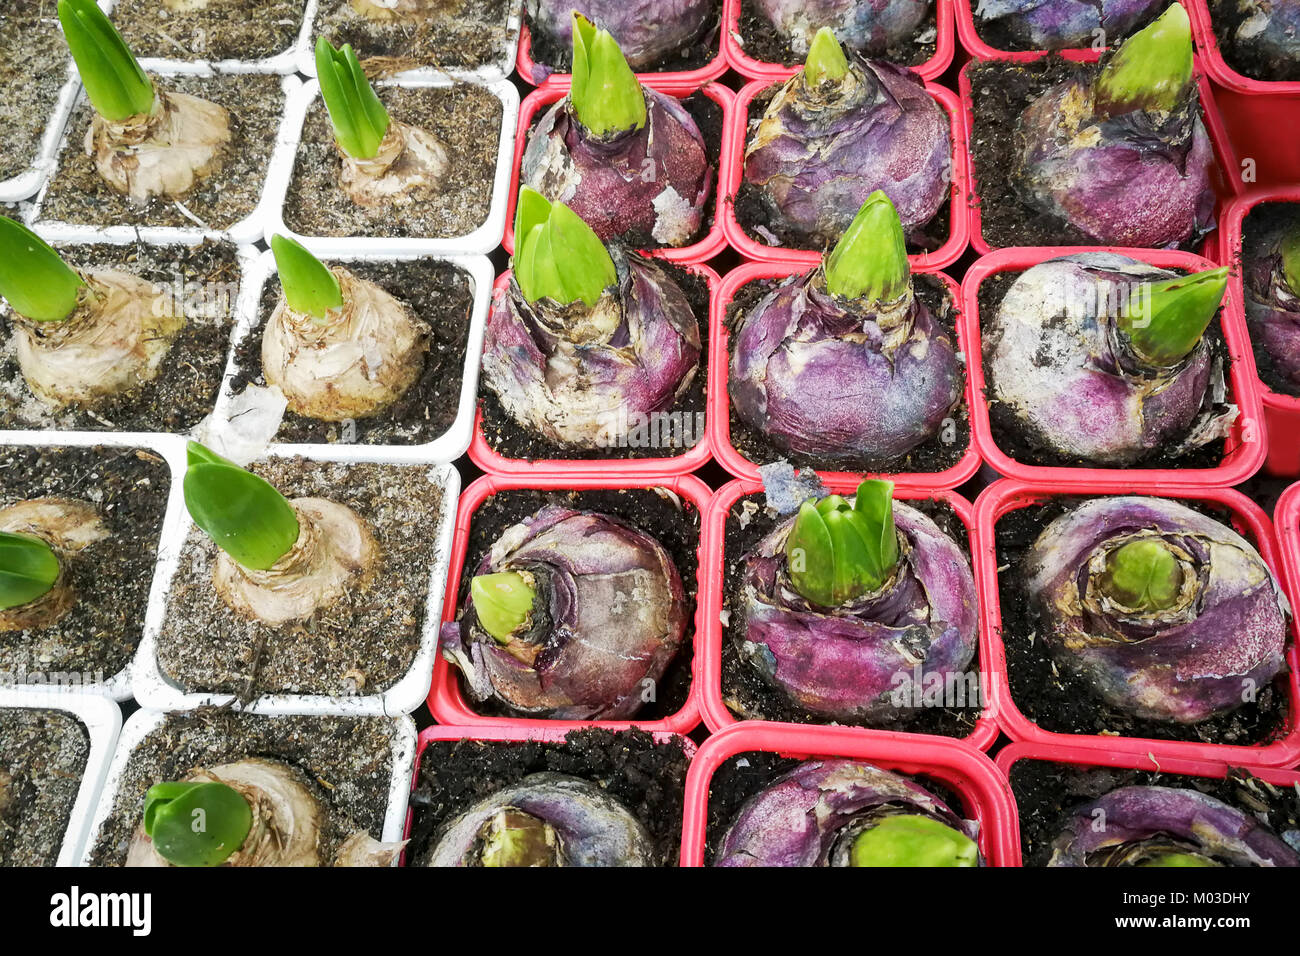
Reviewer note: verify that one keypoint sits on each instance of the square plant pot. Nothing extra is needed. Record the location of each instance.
(718, 669)
(683, 427)
(514, 498)
(480, 41)
(201, 280)
(956, 769)
(1224, 179)
(951, 463)
(711, 240)
(60, 790)
(369, 652)
(117, 492)
(308, 200)
(757, 60)
(253, 36)
(367, 761)
(644, 771)
(433, 420)
(1277, 745)
(1281, 411)
(233, 203)
(1028, 765)
(1243, 450)
(1286, 522)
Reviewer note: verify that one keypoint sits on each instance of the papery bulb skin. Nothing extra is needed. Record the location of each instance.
(1272, 304)
(409, 167)
(608, 618)
(411, 11)
(1270, 31)
(1144, 824)
(1226, 631)
(867, 26)
(68, 526)
(1066, 24)
(646, 30)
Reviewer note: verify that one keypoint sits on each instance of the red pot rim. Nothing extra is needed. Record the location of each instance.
(945, 46)
(529, 68)
(733, 168)
(1214, 127)
(708, 640)
(718, 420)
(446, 701)
(1247, 443)
(1207, 44)
(713, 241)
(1007, 495)
(985, 793)
(492, 462)
(1286, 525)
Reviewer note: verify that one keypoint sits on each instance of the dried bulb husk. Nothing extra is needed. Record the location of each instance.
(355, 362)
(6, 782)
(409, 166)
(68, 527)
(361, 849)
(405, 9)
(163, 153)
(185, 6)
(113, 342)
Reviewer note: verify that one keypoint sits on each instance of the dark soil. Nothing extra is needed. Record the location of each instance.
(1034, 449)
(78, 195)
(934, 455)
(468, 35)
(44, 754)
(1246, 58)
(363, 643)
(34, 65)
(547, 51)
(509, 438)
(748, 696)
(465, 118)
(204, 281)
(996, 34)
(646, 777)
(759, 40)
(1048, 793)
(675, 527)
(349, 758)
(437, 292)
(98, 637)
(223, 30)
(1261, 219)
(1064, 704)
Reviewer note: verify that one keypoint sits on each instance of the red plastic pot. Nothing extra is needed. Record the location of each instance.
(709, 637)
(1248, 519)
(1286, 522)
(534, 74)
(1281, 411)
(719, 414)
(968, 34)
(733, 169)
(1244, 446)
(713, 241)
(483, 455)
(985, 794)
(1012, 754)
(447, 702)
(1227, 185)
(747, 66)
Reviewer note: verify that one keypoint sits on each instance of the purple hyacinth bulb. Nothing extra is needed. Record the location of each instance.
(646, 30)
(1063, 24)
(1272, 305)
(868, 26)
(1270, 30)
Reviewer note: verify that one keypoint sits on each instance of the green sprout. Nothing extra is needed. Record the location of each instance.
(118, 88)
(308, 284)
(836, 552)
(28, 569)
(359, 119)
(1151, 69)
(913, 840)
(1168, 319)
(826, 59)
(605, 94)
(1291, 261)
(518, 839)
(557, 255)
(1143, 575)
(1178, 859)
(242, 513)
(503, 602)
(196, 824)
(870, 260)
(36, 281)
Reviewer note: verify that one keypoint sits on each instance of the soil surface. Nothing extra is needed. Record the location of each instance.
(461, 35)
(1063, 703)
(439, 293)
(996, 34)
(111, 577)
(547, 51)
(34, 65)
(200, 281)
(43, 753)
(939, 453)
(222, 30)
(509, 438)
(1261, 219)
(466, 120)
(674, 524)
(759, 40)
(363, 643)
(1048, 793)
(349, 759)
(1245, 57)
(646, 777)
(78, 195)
